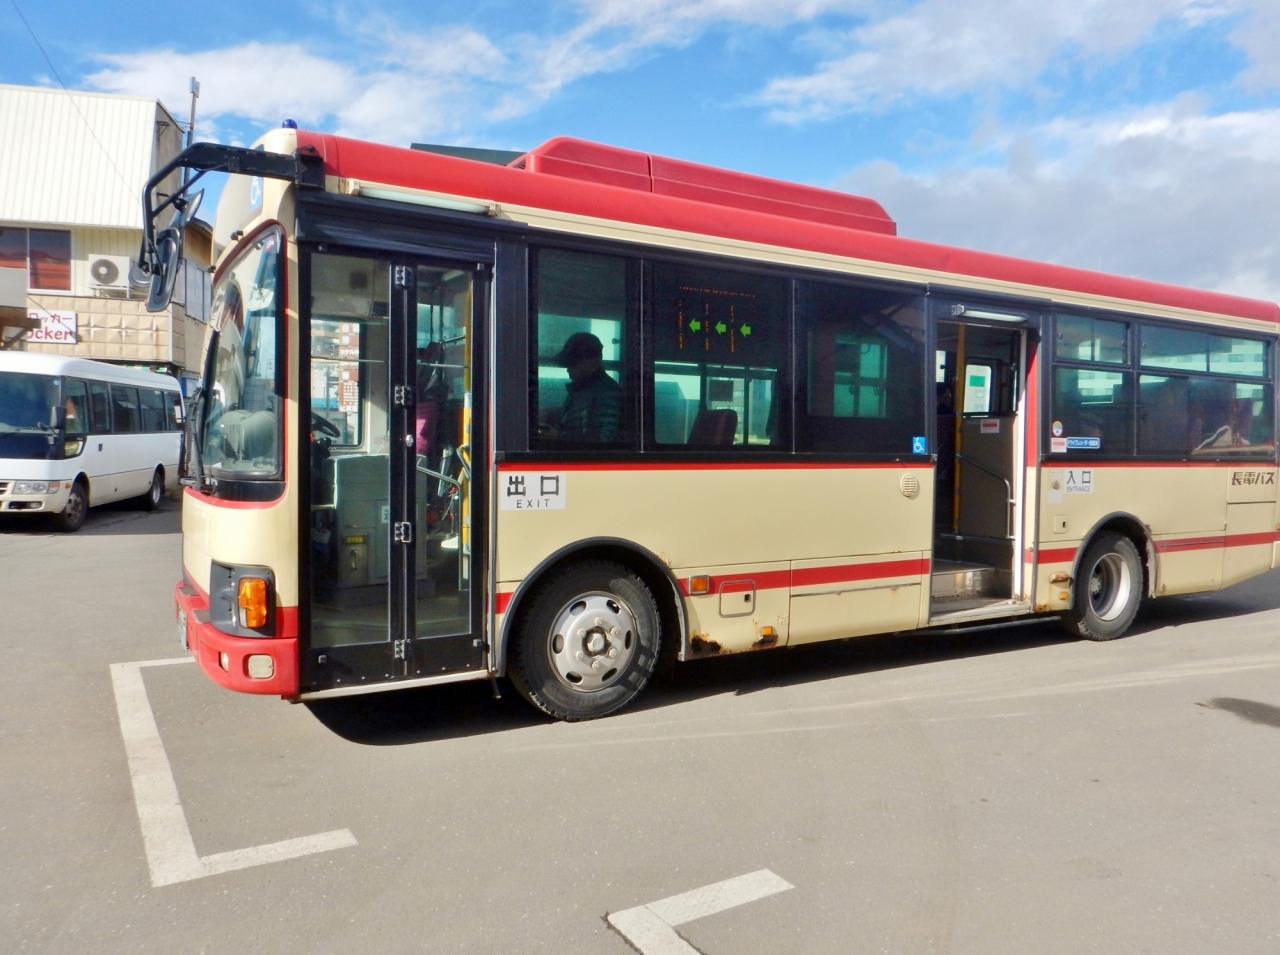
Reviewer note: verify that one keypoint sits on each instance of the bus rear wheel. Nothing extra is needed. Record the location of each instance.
(588, 642)
(1107, 591)
(155, 493)
(71, 517)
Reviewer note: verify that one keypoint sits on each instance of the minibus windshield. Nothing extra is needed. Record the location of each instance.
(28, 414)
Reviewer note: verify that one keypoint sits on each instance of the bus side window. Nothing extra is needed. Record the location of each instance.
(124, 409)
(154, 416)
(176, 417)
(721, 350)
(582, 382)
(99, 408)
(862, 367)
(76, 403)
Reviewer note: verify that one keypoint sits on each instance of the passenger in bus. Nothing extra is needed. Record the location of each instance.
(432, 392)
(592, 411)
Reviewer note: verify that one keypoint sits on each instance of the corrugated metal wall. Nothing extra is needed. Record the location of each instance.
(78, 158)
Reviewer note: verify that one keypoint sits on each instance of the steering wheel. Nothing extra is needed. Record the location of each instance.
(324, 426)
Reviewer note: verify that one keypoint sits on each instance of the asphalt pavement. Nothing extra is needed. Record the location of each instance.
(1009, 791)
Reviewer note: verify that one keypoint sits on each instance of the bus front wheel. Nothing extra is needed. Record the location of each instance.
(1107, 590)
(587, 643)
(71, 517)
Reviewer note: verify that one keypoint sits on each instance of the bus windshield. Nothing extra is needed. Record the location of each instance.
(28, 415)
(240, 437)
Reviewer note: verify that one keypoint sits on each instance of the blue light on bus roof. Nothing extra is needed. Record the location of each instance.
(289, 124)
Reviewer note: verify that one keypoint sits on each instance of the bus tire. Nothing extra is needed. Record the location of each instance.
(588, 641)
(71, 518)
(155, 493)
(1107, 591)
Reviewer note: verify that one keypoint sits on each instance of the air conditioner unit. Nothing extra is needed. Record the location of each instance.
(109, 271)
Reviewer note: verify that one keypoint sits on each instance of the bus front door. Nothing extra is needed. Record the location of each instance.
(394, 499)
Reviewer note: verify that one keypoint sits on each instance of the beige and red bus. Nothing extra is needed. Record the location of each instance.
(555, 416)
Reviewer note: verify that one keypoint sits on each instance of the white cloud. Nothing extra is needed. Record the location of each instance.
(393, 85)
(940, 48)
(1168, 193)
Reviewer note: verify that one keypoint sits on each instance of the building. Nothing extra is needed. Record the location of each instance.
(70, 226)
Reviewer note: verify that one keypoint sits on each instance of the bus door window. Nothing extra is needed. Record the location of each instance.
(584, 320)
(721, 344)
(348, 444)
(76, 404)
(443, 428)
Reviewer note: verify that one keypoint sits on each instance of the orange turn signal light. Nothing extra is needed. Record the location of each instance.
(700, 584)
(253, 602)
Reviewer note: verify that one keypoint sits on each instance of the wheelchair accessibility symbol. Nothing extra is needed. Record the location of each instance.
(919, 446)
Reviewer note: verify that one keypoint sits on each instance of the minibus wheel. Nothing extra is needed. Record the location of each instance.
(71, 517)
(587, 642)
(1107, 590)
(155, 493)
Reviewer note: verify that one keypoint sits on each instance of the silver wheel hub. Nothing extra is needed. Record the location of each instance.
(593, 640)
(1110, 587)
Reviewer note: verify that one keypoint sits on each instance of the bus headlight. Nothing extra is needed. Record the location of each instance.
(35, 487)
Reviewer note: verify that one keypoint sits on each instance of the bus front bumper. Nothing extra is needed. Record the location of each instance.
(267, 665)
(13, 502)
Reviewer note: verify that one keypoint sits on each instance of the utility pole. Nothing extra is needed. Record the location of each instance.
(191, 121)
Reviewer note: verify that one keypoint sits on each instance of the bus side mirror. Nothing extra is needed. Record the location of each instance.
(168, 261)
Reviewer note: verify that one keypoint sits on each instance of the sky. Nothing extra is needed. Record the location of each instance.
(1139, 137)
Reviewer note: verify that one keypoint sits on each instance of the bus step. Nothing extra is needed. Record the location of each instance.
(957, 579)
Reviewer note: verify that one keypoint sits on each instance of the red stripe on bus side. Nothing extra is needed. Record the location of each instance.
(813, 576)
(1054, 555)
(503, 601)
(1062, 555)
(712, 466)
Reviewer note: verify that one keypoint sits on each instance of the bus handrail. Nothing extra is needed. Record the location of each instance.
(1009, 499)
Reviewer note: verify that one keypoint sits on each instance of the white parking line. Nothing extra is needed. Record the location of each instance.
(650, 928)
(171, 852)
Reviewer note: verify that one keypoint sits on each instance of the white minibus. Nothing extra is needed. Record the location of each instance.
(76, 433)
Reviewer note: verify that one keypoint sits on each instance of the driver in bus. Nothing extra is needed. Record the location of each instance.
(592, 411)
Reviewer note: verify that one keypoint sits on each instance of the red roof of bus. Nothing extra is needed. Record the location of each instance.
(604, 182)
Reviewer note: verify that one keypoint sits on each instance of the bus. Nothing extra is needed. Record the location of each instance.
(560, 415)
(76, 433)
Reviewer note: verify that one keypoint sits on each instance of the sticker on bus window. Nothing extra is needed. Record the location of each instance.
(532, 491)
(989, 426)
(1057, 429)
(919, 445)
(1057, 445)
(1084, 444)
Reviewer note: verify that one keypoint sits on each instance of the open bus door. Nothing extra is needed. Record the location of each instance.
(395, 493)
(980, 479)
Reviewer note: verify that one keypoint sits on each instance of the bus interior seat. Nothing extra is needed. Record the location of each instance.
(714, 426)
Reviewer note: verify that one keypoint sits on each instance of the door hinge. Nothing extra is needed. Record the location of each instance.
(404, 396)
(402, 276)
(402, 533)
(401, 649)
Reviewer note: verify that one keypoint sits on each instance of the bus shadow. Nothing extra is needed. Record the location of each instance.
(461, 710)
